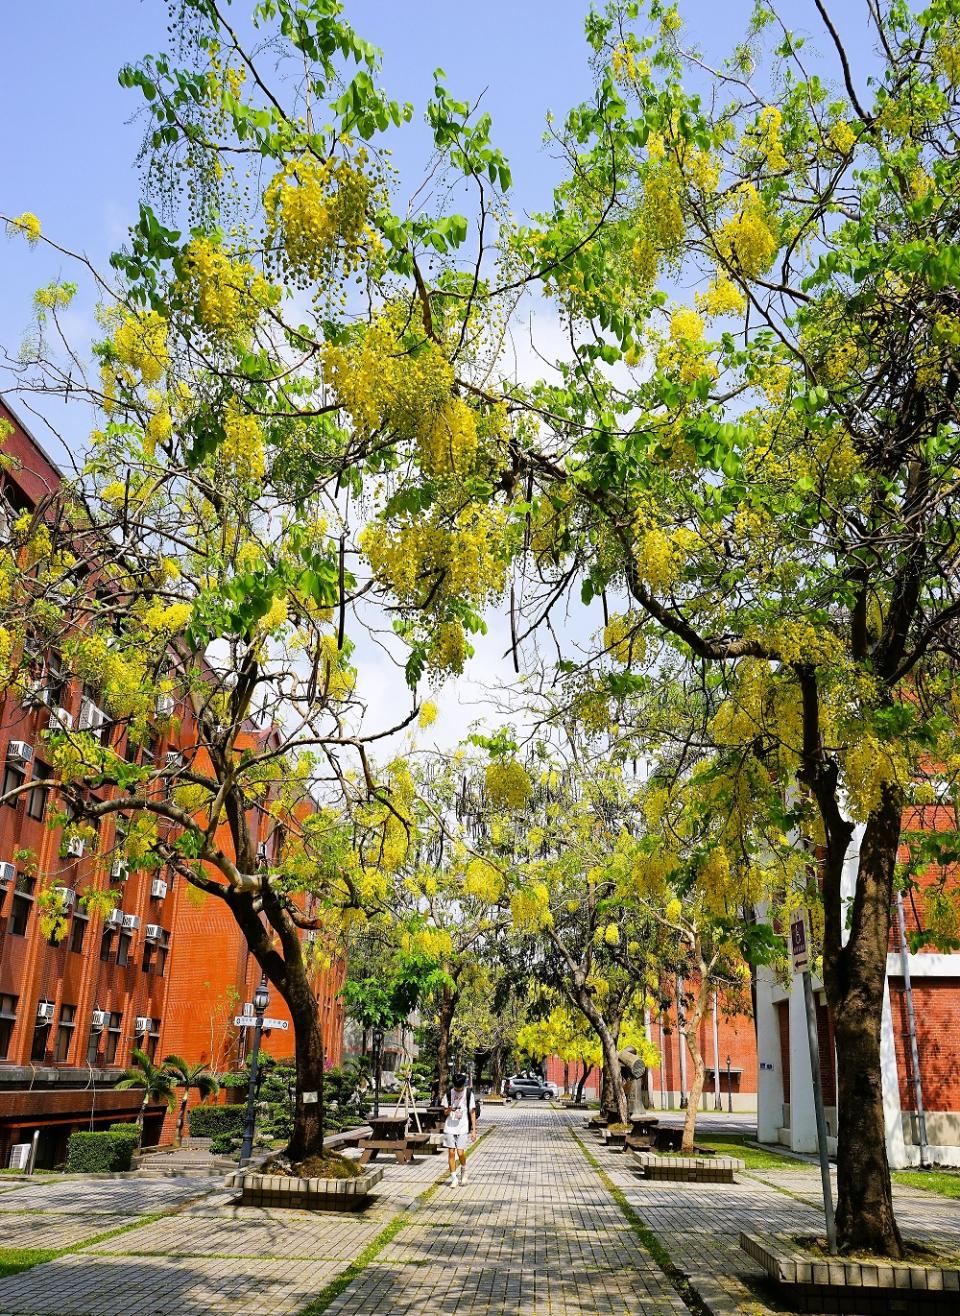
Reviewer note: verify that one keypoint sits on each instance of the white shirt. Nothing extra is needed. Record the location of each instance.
(458, 1121)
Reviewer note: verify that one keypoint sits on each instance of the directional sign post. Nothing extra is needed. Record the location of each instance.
(248, 1021)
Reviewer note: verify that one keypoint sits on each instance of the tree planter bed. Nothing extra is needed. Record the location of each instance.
(688, 1169)
(305, 1194)
(824, 1284)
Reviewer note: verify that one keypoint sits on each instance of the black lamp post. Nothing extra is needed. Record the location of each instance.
(729, 1088)
(261, 999)
(377, 1064)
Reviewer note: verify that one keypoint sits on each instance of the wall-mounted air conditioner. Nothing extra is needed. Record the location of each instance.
(158, 889)
(114, 919)
(36, 693)
(68, 896)
(75, 847)
(45, 1012)
(165, 705)
(60, 719)
(92, 717)
(173, 760)
(7, 873)
(153, 932)
(98, 1021)
(119, 869)
(143, 1024)
(131, 922)
(18, 751)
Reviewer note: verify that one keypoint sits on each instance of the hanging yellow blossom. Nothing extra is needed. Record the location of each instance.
(508, 785)
(26, 224)
(746, 241)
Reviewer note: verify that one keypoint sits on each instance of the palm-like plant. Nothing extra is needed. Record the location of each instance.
(189, 1077)
(158, 1085)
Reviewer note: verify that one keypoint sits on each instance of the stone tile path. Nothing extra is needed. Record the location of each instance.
(533, 1233)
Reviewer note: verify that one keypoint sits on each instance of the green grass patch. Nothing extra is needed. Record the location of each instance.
(647, 1237)
(736, 1144)
(944, 1182)
(15, 1259)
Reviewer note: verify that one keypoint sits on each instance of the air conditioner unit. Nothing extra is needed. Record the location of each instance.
(114, 919)
(36, 693)
(60, 719)
(67, 895)
(131, 922)
(158, 889)
(119, 869)
(20, 1155)
(143, 1024)
(75, 847)
(173, 760)
(98, 1021)
(7, 873)
(153, 932)
(165, 704)
(92, 717)
(45, 1012)
(20, 752)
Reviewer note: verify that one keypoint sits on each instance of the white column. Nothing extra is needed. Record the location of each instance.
(803, 1117)
(770, 1093)
(716, 1055)
(899, 1153)
(681, 1038)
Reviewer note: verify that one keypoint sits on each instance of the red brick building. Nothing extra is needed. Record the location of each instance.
(164, 970)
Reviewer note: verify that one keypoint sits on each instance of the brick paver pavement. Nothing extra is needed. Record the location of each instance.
(534, 1232)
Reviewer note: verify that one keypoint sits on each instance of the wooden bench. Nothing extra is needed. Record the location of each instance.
(372, 1147)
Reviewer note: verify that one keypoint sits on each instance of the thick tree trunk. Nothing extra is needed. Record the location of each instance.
(308, 1115)
(854, 977)
(614, 1099)
(696, 1055)
(448, 1008)
(582, 1082)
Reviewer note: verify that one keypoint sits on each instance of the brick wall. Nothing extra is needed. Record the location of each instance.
(936, 1004)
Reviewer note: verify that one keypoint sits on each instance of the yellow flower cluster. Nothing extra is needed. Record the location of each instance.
(382, 384)
(771, 146)
(227, 293)
(673, 910)
(508, 785)
(658, 558)
(948, 54)
(440, 559)
(611, 935)
(447, 442)
(530, 908)
(842, 136)
(427, 715)
(140, 343)
(625, 66)
(746, 241)
(26, 224)
(243, 447)
(171, 619)
(317, 211)
(869, 765)
(435, 943)
(723, 297)
(338, 677)
(449, 649)
(623, 640)
(686, 325)
(483, 882)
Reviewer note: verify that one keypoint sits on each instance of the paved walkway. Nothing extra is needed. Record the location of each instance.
(534, 1232)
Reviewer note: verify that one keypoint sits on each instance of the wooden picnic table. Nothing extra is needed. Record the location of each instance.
(643, 1123)
(431, 1119)
(387, 1133)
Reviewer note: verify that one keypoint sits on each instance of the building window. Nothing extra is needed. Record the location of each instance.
(106, 943)
(114, 1026)
(93, 1045)
(123, 947)
(61, 1051)
(37, 799)
(41, 1036)
(8, 1017)
(78, 931)
(14, 775)
(21, 905)
(152, 1040)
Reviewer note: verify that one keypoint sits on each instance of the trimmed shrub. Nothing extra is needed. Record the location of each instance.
(105, 1152)
(211, 1121)
(224, 1143)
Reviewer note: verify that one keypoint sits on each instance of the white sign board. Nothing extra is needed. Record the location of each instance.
(800, 941)
(244, 1021)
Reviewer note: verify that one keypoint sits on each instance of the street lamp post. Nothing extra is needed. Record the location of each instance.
(377, 1063)
(729, 1088)
(261, 999)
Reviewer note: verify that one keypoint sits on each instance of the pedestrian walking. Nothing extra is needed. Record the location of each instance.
(460, 1127)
